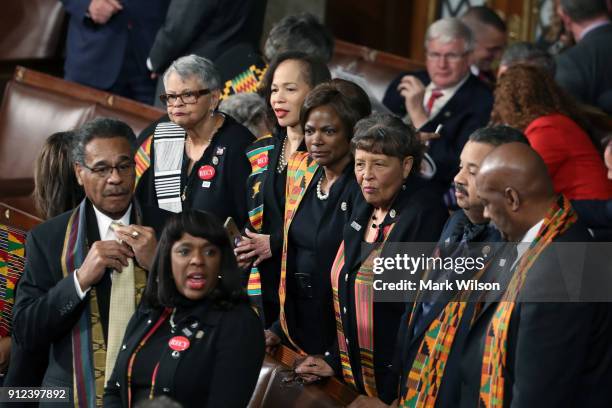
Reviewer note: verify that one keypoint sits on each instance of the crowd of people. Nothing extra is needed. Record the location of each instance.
(134, 290)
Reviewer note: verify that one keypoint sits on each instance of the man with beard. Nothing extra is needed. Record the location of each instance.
(467, 233)
(516, 351)
(85, 269)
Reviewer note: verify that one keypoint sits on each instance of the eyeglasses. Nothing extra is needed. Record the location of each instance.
(450, 57)
(123, 169)
(189, 97)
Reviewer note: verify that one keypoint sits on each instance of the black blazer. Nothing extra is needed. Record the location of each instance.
(419, 217)
(226, 194)
(47, 305)
(411, 335)
(220, 369)
(558, 354)
(584, 69)
(469, 109)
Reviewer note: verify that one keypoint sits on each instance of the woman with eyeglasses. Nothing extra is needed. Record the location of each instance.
(196, 160)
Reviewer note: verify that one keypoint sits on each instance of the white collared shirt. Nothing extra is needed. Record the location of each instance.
(447, 94)
(106, 234)
(524, 243)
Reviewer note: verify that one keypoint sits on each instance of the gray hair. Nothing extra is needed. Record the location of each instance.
(450, 29)
(193, 65)
(100, 128)
(249, 109)
(528, 54)
(301, 32)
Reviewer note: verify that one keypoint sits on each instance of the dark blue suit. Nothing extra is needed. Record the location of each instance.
(113, 56)
(469, 109)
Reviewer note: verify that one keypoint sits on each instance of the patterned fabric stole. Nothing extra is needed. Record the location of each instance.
(259, 157)
(247, 81)
(560, 217)
(12, 259)
(364, 313)
(143, 159)
(169, 144)
(301, 169)
(425, 375)
(88, 345)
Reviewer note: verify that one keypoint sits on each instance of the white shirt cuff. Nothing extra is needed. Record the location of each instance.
(77, 285)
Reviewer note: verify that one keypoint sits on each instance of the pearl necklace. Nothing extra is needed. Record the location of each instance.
(282, 161)
(320, 194)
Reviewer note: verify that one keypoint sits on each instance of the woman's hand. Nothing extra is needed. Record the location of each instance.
(254, 246)
(312, 368)
(272, 341)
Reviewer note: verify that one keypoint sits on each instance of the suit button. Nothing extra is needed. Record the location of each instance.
(149, 321)
(123, 347)
(347, 342)
(346, 277)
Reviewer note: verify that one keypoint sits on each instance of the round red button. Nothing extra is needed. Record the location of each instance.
(206, 172)
(179, 343)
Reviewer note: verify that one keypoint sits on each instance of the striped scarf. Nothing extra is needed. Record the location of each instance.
(259, 157)
(88, 345)
(247, 81)
(301, 169)
(560, 217)
(364, 316)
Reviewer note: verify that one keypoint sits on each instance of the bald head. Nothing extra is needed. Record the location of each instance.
(515, 188)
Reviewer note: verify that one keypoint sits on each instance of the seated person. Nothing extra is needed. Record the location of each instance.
(528, 99)
(250, 110)
(194, 338)
(446, 94)
(526, 53)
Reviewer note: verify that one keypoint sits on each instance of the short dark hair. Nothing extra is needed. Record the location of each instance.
(486, 16)
(498, 135)
(161, 290)
(56, 189)
(100, 128)
(528, 54)
(383, 133)
(314, 70)
(301, 32)
(348, 99)
(582, 10)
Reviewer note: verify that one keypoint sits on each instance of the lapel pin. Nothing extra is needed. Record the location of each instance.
(215, 160)
(392, 213)
(502, 262)
(355, 226)
(343, 206)
(199, 334)
(220, 151)
(447, 114)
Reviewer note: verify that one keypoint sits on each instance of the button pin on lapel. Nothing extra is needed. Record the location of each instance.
(392, 213)
(447, 114)
(356, 226)
(343, 206)
(215, 160)
(502, 262)
(199, 334)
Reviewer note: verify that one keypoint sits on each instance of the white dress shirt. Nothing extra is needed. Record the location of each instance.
(524, 243)
(447, 94)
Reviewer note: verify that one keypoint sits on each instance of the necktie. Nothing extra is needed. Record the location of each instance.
(121, 309)
(435, 94)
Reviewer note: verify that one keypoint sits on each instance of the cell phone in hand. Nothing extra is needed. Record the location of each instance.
(232, 231)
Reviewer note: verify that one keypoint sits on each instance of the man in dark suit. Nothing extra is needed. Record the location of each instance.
(516, 352)
(108, 43)
(446, 94)
(584, 69)
(65, 298)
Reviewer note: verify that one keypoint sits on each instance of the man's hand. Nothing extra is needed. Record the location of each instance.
(312, 368)
(254, 245)
(102, 255)
(101, 11)
(413, 91)
(141, 239)
(272, 341)
(370, 402)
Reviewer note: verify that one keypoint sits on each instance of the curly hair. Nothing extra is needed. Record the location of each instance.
(524, 93)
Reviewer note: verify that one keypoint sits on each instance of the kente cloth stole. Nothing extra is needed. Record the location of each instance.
(88, 345)
(246, 81)
(560, 217)
(12, 260)
(301, 169)
(169, 144)
(259, 157)
(143, 159)
(424, 377)
(364, 316)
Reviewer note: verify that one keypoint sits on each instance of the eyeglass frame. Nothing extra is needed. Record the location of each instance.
(165, 98)
(450, 57)
(106, 171)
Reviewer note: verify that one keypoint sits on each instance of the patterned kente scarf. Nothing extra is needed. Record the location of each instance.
(88, 345)
(560, 217)
(301, 169)
(259, 157)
